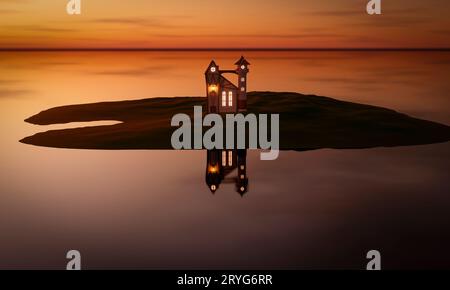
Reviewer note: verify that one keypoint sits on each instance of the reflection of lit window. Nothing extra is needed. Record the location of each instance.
(230, 158)
(242, 167)
(213, 169)
(242, 176)
(242, 189)
(213, 69)
(213, 187)
(224, 158)
(242, 79)
(224, 99)
(230, 99)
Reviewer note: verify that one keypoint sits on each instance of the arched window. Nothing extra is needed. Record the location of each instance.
(224, 99)
(230, 158)
(230, 98)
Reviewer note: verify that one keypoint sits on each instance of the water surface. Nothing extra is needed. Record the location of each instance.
(153, 209)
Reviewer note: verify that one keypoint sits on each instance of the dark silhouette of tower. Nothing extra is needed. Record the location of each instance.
(242, 70)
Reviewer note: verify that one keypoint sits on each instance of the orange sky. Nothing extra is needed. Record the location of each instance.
(230, 24)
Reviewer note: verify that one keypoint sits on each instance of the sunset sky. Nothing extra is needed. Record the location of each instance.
(226, 24)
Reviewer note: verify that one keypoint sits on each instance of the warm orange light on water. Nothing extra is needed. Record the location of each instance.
(213, 169)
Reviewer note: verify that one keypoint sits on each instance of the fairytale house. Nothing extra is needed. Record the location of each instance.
(222, 95)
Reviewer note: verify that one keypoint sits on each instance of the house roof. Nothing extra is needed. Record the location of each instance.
(212, 64)
(242, 61)
(228, 83)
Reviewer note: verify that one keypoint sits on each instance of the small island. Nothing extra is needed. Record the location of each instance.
(307, 122)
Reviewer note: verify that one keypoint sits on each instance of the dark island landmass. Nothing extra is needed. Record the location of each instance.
(306, 122)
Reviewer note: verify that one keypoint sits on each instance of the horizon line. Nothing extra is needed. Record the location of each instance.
(31, 49)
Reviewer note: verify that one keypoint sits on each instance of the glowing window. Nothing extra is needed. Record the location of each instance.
(212, 89)
(230, 158)
(242, 167)
(224, 98)
(224, 158)
(242, 79)
(242, 66)
(230, 99)
(213, 69)
(242, 89)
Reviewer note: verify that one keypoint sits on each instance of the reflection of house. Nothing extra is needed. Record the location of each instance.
(220, 163)
(223, 95)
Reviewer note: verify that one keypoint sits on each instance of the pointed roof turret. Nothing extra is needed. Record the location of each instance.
(213, 188)
(242, 61)
(212, 65)
(242, 190)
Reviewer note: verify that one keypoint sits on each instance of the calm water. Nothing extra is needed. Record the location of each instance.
(152, 209)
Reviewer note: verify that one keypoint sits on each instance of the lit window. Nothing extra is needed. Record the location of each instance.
(242, 167)
(213, 187)
(242, 189)
(224, 158)
(242, 66)
(242, 176)
(224, 99)
(230, 158)
(242, 89)
(212, 89)
(213, 69)
(230, 99)
(242, 79)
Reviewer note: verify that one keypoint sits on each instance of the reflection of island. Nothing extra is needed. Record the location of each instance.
(221, 163)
